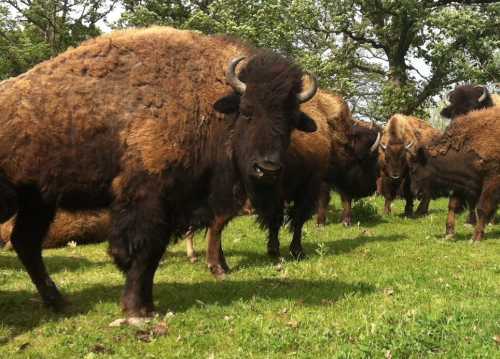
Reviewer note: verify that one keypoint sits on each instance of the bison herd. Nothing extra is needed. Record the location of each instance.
(167, 132)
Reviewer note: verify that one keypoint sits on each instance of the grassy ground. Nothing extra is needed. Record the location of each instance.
(388, 287)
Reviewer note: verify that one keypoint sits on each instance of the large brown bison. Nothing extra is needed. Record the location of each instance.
(466, 159)
(466, 98)
(156, 125)
(402, 137)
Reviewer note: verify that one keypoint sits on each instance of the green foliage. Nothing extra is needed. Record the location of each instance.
(364, 49)
(34, 30)
(390, 287)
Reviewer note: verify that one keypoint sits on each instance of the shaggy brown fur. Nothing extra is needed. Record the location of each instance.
(394, 157)
(145, 122)
(466, 159)
(81, 228)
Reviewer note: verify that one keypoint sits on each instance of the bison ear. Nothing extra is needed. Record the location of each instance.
(228, 104)
(421, 156)
(306, 124)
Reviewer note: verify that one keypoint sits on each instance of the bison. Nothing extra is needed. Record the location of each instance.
(158, 125)
(466, 98)
(402, 137)
(463, 99)
(353, 168)
(465, 159)
(81, 228)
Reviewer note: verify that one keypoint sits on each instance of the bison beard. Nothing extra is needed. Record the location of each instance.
(127, 120)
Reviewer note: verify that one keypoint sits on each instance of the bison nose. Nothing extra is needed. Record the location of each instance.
(267, 169)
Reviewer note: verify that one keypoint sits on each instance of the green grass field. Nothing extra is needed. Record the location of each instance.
(388, 287)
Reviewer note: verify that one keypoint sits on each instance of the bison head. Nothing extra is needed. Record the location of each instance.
(265, 106)
(364, 139)
(466, 98)
(395, 154)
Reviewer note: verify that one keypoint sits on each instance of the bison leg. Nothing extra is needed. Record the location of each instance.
(471, 218)
(387, 206)
(454, 207)
(273, 242)
(346, 209)
(389, 191)
(137, 242)
(486, 207)
(423, 207)
(215, 256)
(190, 252)
(408, 194)
(304, 206)
(323, 202)
(33, 220)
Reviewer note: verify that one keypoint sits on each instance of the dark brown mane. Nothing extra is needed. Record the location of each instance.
(280, 76)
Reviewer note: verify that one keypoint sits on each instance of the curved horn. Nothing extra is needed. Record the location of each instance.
(306, 95)
(232, 78)
(483, 95)
(375, 144)
(408, 146)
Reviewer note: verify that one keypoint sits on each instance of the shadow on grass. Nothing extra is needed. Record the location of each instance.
(254, 259)
(54, 263)
(347, 245)
(20, 313)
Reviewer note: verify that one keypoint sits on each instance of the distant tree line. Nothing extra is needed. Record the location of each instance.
(385, 56)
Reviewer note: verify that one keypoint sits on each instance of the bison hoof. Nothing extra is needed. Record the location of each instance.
(347, 222)
(420, 213)
(273, 253)
(193, 258)
(132, 321)
(449, 237)
(225, 266)
(298, 254)
(217, 271)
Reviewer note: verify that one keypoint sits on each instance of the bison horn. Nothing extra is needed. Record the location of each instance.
(408, 146)
(483, 95)
(375, 144)
(232, 78)
(305, 96)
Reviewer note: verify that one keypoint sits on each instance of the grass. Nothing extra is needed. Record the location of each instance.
(388, 287)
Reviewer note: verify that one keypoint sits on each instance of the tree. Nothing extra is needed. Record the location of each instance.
(368, 50)
(34, 30)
